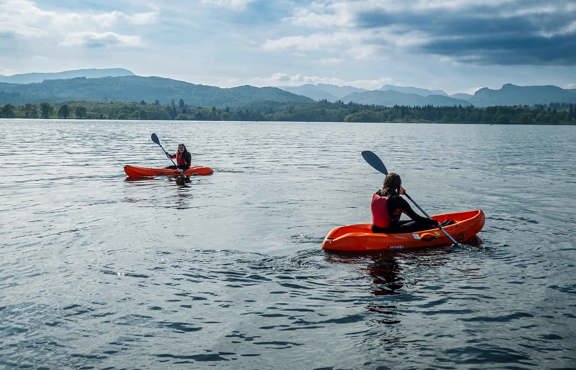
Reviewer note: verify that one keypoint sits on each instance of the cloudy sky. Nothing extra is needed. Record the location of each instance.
(454, 45)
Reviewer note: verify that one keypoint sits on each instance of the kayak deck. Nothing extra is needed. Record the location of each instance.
(135, 171)
(360, 238)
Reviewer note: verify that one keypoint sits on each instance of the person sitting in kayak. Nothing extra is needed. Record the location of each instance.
(388, 205)
(183, 158)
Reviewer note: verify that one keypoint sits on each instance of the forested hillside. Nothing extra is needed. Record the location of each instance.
(312, 112)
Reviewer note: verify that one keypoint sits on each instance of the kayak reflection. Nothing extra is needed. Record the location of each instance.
(389, 271)
(136, 179)
(179, 180)
(383, 268)
(385, 273)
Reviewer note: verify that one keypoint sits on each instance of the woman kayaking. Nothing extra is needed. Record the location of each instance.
(183, 162)
(388, 205)
(183, 158)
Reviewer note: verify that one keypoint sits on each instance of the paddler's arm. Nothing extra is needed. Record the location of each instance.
(405, 207)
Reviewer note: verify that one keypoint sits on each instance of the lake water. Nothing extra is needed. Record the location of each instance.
(228, 273)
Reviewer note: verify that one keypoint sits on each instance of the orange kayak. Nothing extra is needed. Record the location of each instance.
(360, 238)
(135, 171)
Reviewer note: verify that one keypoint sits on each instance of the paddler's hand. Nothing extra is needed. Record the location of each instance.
(168, 155)
(433, 222)
(402, 191)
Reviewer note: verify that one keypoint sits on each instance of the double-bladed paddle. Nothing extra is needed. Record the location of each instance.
(373, 160)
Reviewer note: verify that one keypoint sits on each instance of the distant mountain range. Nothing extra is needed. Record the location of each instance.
(119, 84)
(27, 78)
(137, 89)
(391, 98)
(319, 92)
(523, 95)
(412, 90)
(390, 95)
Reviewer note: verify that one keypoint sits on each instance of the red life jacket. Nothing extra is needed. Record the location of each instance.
(380, 216)
(181, 160)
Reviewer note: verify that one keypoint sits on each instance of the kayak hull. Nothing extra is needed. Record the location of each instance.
(359, 238)
(135, 171)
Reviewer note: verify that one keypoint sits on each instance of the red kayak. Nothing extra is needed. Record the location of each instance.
(360, 238)
(135, 171)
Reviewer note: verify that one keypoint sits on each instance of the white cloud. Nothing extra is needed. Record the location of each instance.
(332, 61)
(355, 44)
(322, 15)
(104, 39)
(230, 4)
(335, 31)
(326, 42)
(144, 18)
(24, 19)
(316, 41)
(20, 18)
(285, 79)
(567, 30)
(112, 18)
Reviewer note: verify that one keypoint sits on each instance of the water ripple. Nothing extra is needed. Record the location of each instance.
(99, 272)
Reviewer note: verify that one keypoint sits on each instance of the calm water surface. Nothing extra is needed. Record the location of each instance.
(100, 272)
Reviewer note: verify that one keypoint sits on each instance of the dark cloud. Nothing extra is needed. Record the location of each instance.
(488, 34)
(527, 50)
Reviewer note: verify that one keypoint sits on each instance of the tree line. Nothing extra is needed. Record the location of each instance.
(322, 111)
